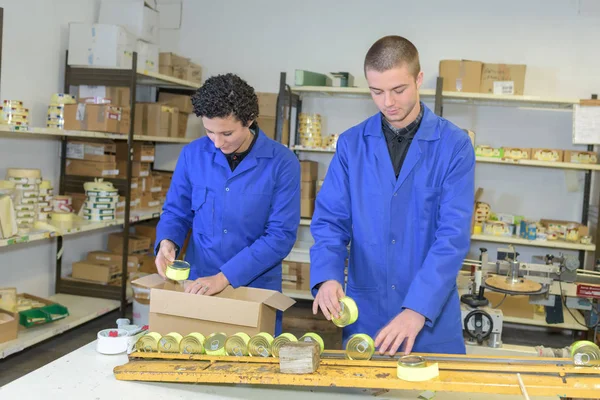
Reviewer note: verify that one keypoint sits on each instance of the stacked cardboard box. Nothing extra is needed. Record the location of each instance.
(115, 95)
(267, 112)
(309, 175)
(180, 67)
(295, 275)
(166, 178)
(183, 104)
(143, 156)
(154, 119)
(97, 117)
(93, 158)
(479, 77)
(151, 191)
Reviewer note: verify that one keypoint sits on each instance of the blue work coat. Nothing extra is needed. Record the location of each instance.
(408, 236)
(244, 223)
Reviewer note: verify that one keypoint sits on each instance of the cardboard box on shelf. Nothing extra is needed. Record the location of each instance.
(106, 257)
(134, 15)
(142, 152)
(153, 119)
(461, 75)
(267, 104)
(553, 155)
(91, 150)
(309, 171)
(100, 45)
(150, 200)
(136, 243)
(97, 117)
(267, 125)
(137, 169)
(580, 157)
(96, 272)
(166, 70)
(118, 96)
(147, 264)
(147, 56)
(9, 325)
(77, 200)
(94, 169)
(147, 230)
(307, 189)
(181, 125)
(503, 79)
(191, 72)
(180, 101)
(307, 207)
(233, 310)
(516, 153)
(296, 275)
(172, 60)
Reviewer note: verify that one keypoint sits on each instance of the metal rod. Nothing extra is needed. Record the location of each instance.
(132, 88)
(439, 99)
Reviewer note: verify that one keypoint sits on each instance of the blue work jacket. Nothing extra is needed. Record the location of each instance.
(244, 223)
(408, 236)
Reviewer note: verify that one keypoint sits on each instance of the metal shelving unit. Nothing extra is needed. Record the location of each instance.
(292, 97)
(130, 78)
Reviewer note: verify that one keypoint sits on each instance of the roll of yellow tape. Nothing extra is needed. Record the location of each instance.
(280, 341)
(360, 347)
(46, 185)
(585, 353)
(24, 173)
(260, 345)
(348, 314)
(148, 342)
(214, 344)
(237, 345)
(178, 271)
(62, 216)
(415, 369)
(62, 98)
(170, 343)
(192, 344)
(313, 337)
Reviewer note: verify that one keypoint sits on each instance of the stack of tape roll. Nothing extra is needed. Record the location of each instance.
(45, 201)
(14, 114)
(309, 128)
(56, 110)
(100, 202)
(26, 196)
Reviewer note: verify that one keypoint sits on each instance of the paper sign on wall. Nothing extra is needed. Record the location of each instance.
(586, 124)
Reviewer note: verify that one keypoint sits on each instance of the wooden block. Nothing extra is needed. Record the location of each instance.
(299, 358)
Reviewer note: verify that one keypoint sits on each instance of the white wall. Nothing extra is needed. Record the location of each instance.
(258, 40)
(556, 39)
(33, 56)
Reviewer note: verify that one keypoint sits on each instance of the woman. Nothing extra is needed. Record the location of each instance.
(237, 190)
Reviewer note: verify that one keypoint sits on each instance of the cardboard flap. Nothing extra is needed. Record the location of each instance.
(279, 301)
(149, 282)
(208, 308)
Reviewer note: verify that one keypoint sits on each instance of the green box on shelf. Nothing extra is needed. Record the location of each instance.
(42, 315)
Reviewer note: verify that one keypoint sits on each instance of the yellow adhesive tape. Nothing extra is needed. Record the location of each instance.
(62, 216)
(178, 271)
(417, 373)
(214, 344)
(348, 314)
(260, 345)
(237, 345)
(23, 173)
(192, 344)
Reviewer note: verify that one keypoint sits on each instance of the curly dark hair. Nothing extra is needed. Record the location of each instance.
(225, 95)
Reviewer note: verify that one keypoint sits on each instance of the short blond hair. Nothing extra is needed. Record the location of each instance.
(391, 52)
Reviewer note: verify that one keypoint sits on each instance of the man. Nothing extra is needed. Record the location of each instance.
(400, 190)
(237, 190)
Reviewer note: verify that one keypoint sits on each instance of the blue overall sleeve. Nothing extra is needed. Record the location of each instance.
(331, 225)
(177, 216)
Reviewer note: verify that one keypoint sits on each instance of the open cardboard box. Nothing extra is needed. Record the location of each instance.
(9, 325)
(243, 309)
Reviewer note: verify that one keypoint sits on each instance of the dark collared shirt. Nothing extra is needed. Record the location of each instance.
(234, 159)
(399, 139)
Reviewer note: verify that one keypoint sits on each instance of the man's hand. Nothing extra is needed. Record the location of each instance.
(165, 256)
(404, 327)
(328, 299)
(208, 286)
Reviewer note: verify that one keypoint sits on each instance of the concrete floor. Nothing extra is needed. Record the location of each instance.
(32, 358)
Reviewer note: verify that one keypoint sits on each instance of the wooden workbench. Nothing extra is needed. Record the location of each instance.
(85, 374)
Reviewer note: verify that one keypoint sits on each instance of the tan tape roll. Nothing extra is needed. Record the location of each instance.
(23, 173)
(7, 185)
(46, 185)
(62, 216)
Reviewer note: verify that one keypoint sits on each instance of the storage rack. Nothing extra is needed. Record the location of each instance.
(292, 97)
(130, 78)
